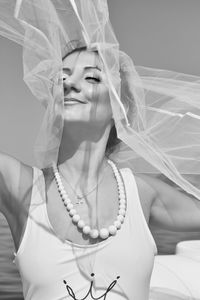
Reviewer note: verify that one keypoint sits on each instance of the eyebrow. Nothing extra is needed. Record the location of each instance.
(85, 68)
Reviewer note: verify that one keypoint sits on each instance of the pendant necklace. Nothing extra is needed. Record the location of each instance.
(81, 198)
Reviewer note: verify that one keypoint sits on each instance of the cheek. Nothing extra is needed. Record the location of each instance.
(103, 105)
(105, 99)
(98, 94)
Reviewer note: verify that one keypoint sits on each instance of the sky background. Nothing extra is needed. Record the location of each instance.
(155, 33)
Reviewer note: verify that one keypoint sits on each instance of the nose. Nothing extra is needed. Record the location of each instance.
(71, 84)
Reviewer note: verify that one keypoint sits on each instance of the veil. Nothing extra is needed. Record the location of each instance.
(156, 112)
(160, 131)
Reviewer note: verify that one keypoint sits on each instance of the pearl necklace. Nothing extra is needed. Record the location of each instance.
(94, 233)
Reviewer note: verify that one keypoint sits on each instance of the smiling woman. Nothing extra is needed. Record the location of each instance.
(79, 220)
(90, 70)
(85, 83)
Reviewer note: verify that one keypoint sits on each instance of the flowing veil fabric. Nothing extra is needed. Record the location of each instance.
(160, 129)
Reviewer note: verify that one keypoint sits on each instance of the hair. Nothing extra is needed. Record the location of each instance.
(113, 140)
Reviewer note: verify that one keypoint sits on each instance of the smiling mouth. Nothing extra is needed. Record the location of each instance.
(73, 101)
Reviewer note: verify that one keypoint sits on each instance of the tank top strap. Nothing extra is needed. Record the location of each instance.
(134, 204)
(131, 189)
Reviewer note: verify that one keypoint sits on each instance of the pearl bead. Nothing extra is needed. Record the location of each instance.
(72, 212)
(120, 218)
(112, 229)
(94, 233)
(122, 212)
(123, 197)
(86, 229)
(118, 224)
(66, 198)
(120, 186)
(115, 172)
(81, 224)
(122, 206)
(60, 189)
(66, 202)
(76, 218)
(63, 194)
(69, 206)
(104, 233)
(58, 180)
(122, 201)
(122, 194)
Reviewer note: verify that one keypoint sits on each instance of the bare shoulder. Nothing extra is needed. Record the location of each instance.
(146, 186)
(160, 184)
(15, 178)
(147, 192)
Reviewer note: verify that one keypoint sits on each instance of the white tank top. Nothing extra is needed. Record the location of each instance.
(118, 268)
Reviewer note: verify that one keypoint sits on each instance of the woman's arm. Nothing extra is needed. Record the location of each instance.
(9, 182)
(16, 181)
(172, 209)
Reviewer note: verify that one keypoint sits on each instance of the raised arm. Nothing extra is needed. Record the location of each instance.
(172, 209)
(9, 181)
(15, 193)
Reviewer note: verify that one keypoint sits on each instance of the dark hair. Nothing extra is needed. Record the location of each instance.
(113, 141)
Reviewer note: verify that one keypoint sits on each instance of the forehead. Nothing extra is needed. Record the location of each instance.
(82, 58)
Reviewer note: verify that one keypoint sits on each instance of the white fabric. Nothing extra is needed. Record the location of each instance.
(189, 249)
(177, 276)
(45, 261)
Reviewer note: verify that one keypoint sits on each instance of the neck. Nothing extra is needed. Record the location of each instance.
(82, 154)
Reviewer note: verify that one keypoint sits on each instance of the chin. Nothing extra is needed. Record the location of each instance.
(85, 118)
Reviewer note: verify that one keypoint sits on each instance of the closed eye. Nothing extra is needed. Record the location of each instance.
(92, 79)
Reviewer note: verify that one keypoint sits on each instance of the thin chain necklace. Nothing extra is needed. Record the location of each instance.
(81, 199)
(94, 233)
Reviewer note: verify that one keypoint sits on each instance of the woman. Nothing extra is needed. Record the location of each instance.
(82, 155)
(82, 253)
(84, 167)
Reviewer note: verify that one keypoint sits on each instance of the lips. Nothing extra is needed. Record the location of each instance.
(73, 100)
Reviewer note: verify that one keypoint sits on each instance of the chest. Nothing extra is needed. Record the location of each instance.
(53, 261)
(97, 210)
(128, 255)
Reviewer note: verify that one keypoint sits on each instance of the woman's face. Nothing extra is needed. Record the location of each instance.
(86, 94)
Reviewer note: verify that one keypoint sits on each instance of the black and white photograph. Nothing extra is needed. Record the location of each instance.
(99, 150)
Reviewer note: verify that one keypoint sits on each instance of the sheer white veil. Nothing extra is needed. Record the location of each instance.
(160, 131)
